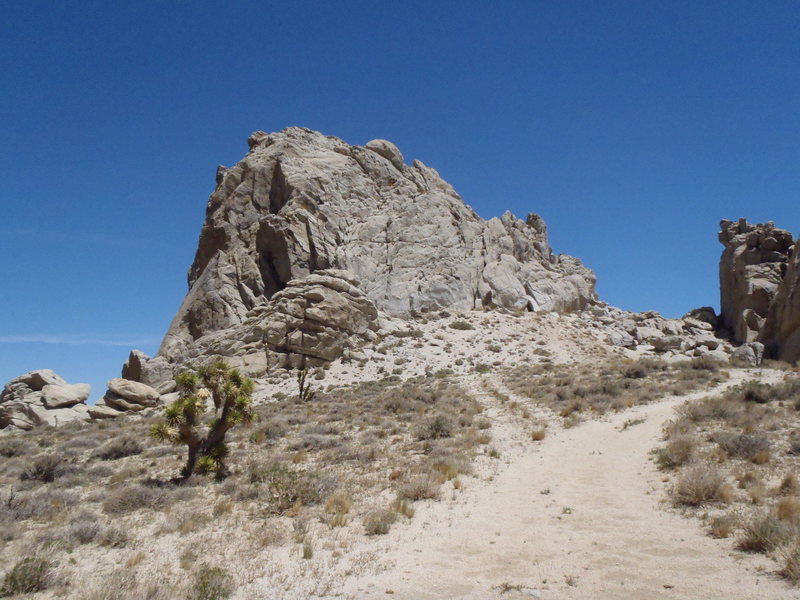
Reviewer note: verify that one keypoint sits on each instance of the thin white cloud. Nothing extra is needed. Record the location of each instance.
(77, 340)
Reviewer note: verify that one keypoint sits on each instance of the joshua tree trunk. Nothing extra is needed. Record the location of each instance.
(191, 461)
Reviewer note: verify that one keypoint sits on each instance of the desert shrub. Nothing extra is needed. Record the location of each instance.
(45, 468)
(118, 448)
(753, 391)
(765, 533)
(791, 564)
(378, 522)
(128, 498)
(11, 447)
(461, 325)
(700, 485)
(211, 583)
(43, 503)
(741, 445)
(31, 574)
(705, 363)
(122, 585)
(284, 487)
(273, 429)
(434, 428)
(452, 465)
(677, 452)
(113, 537)
(723, 526)
(314, 442)
(788, 509)
(419, 488)
(83, 532)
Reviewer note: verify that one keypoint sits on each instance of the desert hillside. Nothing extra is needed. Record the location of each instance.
(371, 391)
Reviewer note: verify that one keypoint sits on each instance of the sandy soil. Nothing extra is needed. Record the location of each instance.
(582, 514)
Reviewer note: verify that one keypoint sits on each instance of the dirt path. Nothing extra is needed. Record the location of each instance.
(578, 515)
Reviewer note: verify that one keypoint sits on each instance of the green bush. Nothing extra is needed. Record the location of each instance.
(31, 574)
(461, 325)
(285, 487)
(211, 583)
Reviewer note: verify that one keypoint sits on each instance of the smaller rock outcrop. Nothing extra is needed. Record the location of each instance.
(310, 322)
(42, 398)
(155, 372)
(751, 270)
(124, 395)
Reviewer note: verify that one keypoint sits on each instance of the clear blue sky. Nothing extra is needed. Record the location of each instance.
(631, 127)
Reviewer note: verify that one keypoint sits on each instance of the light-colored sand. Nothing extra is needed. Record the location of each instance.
(580, 515)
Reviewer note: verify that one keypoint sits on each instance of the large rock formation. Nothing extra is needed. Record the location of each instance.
(781, 331)
(750, 271)
(389, 237)
(760, 288)
(42, 398)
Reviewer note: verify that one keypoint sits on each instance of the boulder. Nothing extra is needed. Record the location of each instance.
(751, 269)
(312, 321)
(154, 372)
(751, 353)
(704, 314)
(301, 202)
(667, 342)
(58, 396)
(129, 396)
(42, 398)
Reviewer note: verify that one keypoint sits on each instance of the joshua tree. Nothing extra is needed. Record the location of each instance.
(306, 393)
(183, 419)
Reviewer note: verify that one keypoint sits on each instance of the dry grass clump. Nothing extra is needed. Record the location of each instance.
(119, 448)
(677, 452)
(211, 583)
(378, 522)
(700, 485)
(30, 575)
(741, 445)
(723, 526)
(128, 498)
(765, 533)
(419, 488)
(749, 431)
(45, 468)
(589, 389)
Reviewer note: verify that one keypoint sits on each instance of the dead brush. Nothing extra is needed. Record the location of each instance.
(677, 452)
(700, 485)
(723, 526)
(378, 522)
(788, 509)
(765, 533)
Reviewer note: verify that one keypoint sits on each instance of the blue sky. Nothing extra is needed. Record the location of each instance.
(631, 127)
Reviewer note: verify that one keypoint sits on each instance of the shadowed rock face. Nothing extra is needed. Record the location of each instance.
(302, 202)
(751, 270)
(781, 331)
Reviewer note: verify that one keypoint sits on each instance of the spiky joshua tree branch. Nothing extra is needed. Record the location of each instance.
(184, 421)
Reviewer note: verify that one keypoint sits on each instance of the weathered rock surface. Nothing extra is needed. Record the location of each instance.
(692, 335)
(42, 398)
(781, 331)
(751, 269)
(311, 321)
(301, 202)
(129, 396)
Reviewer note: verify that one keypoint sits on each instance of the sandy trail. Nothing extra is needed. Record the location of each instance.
(579, 515)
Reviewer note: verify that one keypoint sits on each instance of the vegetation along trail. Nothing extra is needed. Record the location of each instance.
(580, 514)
